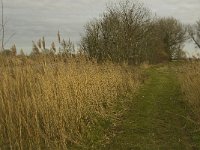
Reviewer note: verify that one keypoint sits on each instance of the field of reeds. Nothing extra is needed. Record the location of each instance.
(53, 103)
(189, 75)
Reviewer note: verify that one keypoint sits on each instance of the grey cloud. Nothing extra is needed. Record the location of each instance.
(186, 10)
(31, 19)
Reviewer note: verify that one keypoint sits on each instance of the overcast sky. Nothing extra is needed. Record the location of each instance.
(31, 19)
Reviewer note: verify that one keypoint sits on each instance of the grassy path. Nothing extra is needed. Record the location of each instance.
(157, 118)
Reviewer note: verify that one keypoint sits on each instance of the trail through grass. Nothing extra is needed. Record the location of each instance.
(157, 118)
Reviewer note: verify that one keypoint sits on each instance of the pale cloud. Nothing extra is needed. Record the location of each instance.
(32, 19)
(185, 10)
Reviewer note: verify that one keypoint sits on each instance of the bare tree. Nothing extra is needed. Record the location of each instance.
(194, 32)
(128, 32)
(172, 34)
(120, 34)
(2, 25)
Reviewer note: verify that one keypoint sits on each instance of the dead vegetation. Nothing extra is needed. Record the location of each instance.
(52, 105)
(189, 75)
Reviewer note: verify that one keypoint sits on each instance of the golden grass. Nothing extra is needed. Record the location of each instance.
(189, 75)
(49, 105)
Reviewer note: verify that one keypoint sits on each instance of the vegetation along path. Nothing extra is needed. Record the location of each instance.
(157, 118)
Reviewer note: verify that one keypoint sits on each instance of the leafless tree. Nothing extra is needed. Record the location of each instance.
(120, 34)
(129, 32)
(172, 34)
(194, 32)
(2, 25)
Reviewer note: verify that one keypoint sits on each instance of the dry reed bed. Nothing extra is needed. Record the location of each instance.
(52, 105)
(189, 75)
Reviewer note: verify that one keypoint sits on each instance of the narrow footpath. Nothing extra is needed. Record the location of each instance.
(157, 118)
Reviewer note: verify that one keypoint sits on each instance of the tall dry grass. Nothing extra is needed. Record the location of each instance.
(51, 105)
(189, 75)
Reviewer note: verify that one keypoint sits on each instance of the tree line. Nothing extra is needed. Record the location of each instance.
(129, 32)
(126, 32)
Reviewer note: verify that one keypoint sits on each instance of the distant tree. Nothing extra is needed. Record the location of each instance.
(154, 46)
(194, 32)
(172, 36)
(120, 34)
(128, 32)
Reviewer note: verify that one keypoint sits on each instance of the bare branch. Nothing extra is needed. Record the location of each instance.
(2, 25)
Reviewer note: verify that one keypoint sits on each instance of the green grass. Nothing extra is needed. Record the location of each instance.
(157, 118)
